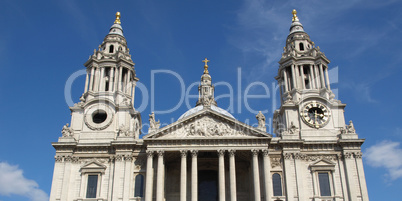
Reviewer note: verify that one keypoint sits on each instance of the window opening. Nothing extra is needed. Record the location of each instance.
(277, 184)
(92, 185)
(301, 46)
(111, 47)
(139, 186)
(323, 179)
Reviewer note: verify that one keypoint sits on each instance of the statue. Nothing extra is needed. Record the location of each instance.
(292, 128)
(261, 121)
(153, 124)
(66, 131)
(124, 130)
(350, 128)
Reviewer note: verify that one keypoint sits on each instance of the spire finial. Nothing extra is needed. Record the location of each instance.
(295, 18)
(117, 21)
(206, 65)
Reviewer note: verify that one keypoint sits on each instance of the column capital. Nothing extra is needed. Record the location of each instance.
(183, 153)
(161, 153)
(265, 152)
(232, 152)
(255, 152)
(221, 152)
(150, 153)
(194, 153)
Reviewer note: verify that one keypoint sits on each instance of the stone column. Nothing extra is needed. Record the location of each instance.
(111, 78)
(285, 77)
(289, 175)
(160, 180)
(327, 78)
(362, 178)
(302, 77)
(116, 79)
(86, 82)
(350, 167)
(232, 171)
(298, 82)
(313, 80)
(267, 175)
(299, 176)
(293, 76)
(91, 82)
(221, 154)
(322, 77)
(133, 93)
(128, 84)
(119, 84)
(149, 176)
(183, 176)
(102, 80)
(194, 175)
(96, 81)
(317, 77)
(256, 175)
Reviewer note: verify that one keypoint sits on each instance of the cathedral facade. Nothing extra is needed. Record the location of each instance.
(207, 154)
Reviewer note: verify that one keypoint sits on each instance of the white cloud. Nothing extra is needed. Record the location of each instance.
(13, 182)
(388, 155)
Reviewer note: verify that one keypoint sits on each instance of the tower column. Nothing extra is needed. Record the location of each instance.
(160, 180)
(111, 77)
(232, 171)
(221, 154)
(327, 78)
(314, 73)
(349, 169)
(183, 176)
(285, 77)
(149, 176)
(267, 175)
(194, 175)
(102, 80)
(86, 82)
(128, 85)
(119, 84)
(116, 79)
(293, 76)
(91, 82)
(297, 72)
(302, 77)
(322, 77)
(132, 93)
(256, 175)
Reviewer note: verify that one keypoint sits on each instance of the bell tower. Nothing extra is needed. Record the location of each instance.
(106, 110)
(308, 108)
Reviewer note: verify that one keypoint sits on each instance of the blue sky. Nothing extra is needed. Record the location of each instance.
(42, 43)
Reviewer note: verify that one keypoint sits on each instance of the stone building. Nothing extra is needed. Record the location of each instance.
(207, 154)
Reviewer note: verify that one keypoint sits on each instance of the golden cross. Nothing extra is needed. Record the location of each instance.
(205, 61)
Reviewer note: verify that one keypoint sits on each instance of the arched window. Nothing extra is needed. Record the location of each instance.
(111, 47)
(301, 46)
(277, 184)
(139, 186)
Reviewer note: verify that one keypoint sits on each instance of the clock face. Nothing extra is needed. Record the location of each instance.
(315, 114)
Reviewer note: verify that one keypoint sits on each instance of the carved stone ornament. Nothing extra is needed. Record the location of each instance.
(124, 131)
(183, 153)
(254, 152)
(150, 153)
(358, 154)
(288, 155)
(194, 153)
(232, 152)
(221, 152)
(265, 152)
(275, 161)
(206, 127)
(348, 155)
(350, 128)
(315, 157)
(67, 131)
(139, 162)
(293, 129)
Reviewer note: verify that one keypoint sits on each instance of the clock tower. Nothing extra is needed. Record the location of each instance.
(308, 109)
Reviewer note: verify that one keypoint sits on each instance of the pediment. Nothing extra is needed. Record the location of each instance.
(93, 166)
(323, 164)
(207, 124)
